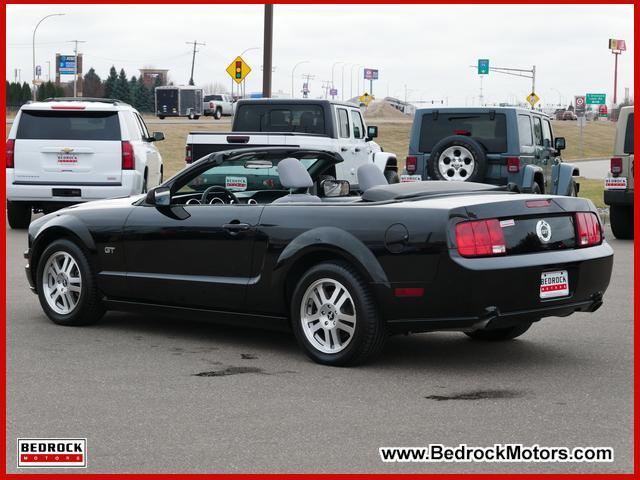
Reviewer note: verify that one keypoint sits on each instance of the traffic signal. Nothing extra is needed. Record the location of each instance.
(238, 69)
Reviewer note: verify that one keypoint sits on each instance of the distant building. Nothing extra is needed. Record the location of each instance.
(149, 76)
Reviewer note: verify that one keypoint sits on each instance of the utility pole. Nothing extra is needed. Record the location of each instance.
(75, 66)
(48, 70)
(267, 49)
(193, 59)
(326, 86)
(307, 77)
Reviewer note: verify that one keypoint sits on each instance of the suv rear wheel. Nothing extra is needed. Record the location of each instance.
(18, 214)
(391, 176)
(621, 218)
(334, 316)
(457, 158)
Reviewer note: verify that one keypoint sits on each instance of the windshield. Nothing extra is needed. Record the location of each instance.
(244, 174)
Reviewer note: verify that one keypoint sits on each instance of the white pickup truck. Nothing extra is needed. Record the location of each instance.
(218, 104)
(315, 124)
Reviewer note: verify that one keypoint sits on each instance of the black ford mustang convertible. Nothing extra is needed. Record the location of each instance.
(268, 236)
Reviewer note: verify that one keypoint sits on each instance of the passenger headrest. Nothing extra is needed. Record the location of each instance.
(293, 174)
(369, 175)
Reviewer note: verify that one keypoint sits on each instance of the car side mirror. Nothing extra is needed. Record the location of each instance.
(372, 132)
(157, 137)
(560, 143)
(335, 188)
(159, 197)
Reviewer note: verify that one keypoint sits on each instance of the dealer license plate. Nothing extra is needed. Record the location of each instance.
(410, 178)
(554, 284)
(615, 183)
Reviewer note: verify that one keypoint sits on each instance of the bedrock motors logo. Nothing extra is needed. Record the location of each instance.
(52, 452)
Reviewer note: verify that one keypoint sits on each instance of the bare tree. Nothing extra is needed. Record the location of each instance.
(215, 87)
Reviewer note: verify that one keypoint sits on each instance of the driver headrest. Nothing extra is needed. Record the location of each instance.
(293, 174)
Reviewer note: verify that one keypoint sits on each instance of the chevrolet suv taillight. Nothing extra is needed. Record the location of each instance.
(188, 154)
(411, 165)
(128, 159)
(10, 144)
(616, 165)
(588, 229)
(480, 238)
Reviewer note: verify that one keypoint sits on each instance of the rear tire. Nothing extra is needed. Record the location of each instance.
(82, 303)
(391, 176)
(161, 117)
(500, 334)
(18, 215)
(457, 158)
(621, 218)
(217, 114)
(343, 330)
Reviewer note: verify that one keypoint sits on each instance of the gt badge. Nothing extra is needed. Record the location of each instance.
(543, 229)
(109, 250)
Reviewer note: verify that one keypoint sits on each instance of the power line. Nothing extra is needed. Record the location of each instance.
(193, 59)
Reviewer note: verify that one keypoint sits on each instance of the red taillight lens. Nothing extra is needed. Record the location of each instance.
(411, 165)
(188, 154)
(128, 159)
(588, 229)
(210, 104)
(10, 144)
(513, 164)
(616, 165)
(480, 238)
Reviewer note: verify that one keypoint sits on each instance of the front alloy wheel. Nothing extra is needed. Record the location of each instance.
(62, 283)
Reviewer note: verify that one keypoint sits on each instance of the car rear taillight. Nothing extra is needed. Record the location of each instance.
(128, 159)
(588, 229)
(411, 165)
(513, 164)
(616, 165)
(67, 107)
(210, 104)
(10, 144)
(480, 238)
(188, 154)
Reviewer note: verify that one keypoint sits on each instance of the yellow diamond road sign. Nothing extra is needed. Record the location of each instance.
(533, 99)
(238, 70)
(366, 99)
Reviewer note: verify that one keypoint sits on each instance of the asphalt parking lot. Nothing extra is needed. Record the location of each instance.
(130, 385)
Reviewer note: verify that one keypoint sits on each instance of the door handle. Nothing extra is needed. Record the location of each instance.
(357, 149)
(236, 227)
(343, 149)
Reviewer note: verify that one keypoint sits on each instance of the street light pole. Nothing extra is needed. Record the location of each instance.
(332, 82)
(351, 80)
(267, 51)
(342, 86)
(33, 45)
(293, 71)
(244, 91)
(75, 67)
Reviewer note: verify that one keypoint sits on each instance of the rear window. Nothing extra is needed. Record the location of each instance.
(209, 98)
(628, 137)
(68, 125)
(487, 129)
(280, 118)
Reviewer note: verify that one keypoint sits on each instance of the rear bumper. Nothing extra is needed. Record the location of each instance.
(467, 294)
(618, 197)
(43, 192)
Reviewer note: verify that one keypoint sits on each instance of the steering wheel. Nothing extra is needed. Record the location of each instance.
(218, 188)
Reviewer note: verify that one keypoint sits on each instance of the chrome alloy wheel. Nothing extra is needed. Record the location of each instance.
(62, 283)
(328, 315)
(456, 164)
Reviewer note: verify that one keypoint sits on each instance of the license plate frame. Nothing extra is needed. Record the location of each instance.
(410, 178)
(554, 284)
(615, 183)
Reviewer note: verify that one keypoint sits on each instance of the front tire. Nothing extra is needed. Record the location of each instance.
(621, 218)
(500, 334)
(66, 285)
(18, 215)
(391, 176)
(334, 316)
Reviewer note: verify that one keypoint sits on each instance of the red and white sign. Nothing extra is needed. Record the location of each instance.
(554, 284)
(615, 183)
(52, 453)
(235, 183)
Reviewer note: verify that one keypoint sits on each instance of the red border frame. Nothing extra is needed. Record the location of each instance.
(3, 297)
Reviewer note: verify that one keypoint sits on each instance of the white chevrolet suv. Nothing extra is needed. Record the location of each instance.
(71, 150)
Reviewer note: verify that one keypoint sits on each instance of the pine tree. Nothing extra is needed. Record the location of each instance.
(110, 83)
(92, 85)
(26, 93)
(121, 91)
(133, 85)
(142, 99)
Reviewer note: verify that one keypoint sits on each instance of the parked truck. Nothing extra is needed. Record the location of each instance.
(182, 101)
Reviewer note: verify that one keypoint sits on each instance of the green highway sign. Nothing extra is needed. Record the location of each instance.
(483, 66)
(596, 98)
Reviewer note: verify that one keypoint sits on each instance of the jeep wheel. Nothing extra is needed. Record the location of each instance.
(500, 334)
(334, 316)
(621, 218)
(18, 214)
(66, 285)
(391, 176)
(457, 158)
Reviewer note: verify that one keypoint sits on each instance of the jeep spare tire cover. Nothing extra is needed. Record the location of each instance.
(457, 158)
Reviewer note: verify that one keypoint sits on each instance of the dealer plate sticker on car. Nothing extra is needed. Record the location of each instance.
(615, 183)
(554, 284)
(235, 183)
(410, 178)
